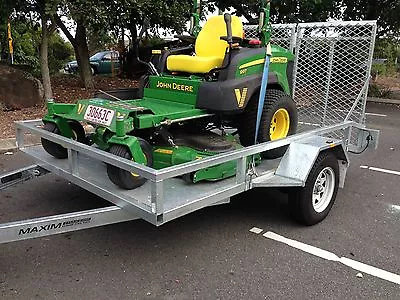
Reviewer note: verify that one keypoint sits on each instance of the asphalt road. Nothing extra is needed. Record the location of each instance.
(210, 254)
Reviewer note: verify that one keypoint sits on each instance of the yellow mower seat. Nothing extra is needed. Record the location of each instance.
(210, 50)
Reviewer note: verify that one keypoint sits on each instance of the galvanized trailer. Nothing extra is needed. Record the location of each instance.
(331, 74)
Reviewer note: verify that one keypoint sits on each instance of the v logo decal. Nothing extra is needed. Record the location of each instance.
(241, 96)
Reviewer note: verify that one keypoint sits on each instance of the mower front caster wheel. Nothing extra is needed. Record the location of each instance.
(125, 179)
(56, 150)
(310, 204)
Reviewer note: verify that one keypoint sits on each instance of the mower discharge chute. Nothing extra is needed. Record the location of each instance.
(199, 101)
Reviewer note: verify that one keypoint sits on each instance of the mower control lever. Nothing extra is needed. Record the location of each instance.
(235, 39)
(228, 22)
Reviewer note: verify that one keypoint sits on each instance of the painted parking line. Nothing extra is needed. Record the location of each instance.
(375, 115)
(381, 170)
(256, 230)
(356, 265)
(395, 207)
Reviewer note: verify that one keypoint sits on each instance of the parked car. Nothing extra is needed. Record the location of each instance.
(100, 63)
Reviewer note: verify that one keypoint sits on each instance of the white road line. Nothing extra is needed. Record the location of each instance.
(301, 246)
(256, 230)
(376, 115)
(385, 171)
(356, 265)
(397, 207)
(381, 170)
(359, 266)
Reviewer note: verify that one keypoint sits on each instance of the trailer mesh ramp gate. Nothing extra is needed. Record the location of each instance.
(330, 74)
(331, 70)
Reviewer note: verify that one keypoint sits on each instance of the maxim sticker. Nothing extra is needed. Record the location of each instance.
(53, 226)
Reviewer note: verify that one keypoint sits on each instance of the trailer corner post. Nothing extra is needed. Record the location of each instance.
(73, 161)
(330, 67)
(241, 165)
(157, 196)
(20, 138)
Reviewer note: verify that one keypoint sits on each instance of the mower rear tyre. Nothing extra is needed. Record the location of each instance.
(125, 179)
(56, 150)
(278, 120)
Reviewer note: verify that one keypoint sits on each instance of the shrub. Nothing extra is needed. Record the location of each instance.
(379, 91)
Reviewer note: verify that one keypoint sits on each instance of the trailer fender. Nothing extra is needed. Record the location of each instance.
(132, 143)
(300, 157)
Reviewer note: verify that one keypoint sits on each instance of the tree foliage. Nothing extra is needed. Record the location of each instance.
(284, 11)
(386, 12)
(100, 24)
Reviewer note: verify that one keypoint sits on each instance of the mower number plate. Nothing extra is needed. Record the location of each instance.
(99, 115)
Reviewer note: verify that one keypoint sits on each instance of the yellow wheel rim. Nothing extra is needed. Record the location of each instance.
(135, 174)
(74, 135)
(280, 124)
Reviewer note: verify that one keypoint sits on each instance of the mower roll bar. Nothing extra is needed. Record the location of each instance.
(152, 69)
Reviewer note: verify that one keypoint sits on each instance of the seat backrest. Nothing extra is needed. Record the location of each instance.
(208, 41)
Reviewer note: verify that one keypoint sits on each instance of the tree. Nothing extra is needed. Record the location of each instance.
(284, 11)
(37, 11)
(44, 9)
(156, 14)
(60, 52)
(83, 12)
(386, 12)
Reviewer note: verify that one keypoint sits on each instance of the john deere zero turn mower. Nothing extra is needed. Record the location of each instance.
(199, 101)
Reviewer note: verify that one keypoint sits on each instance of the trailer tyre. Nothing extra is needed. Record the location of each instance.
(278, 120)
(56, 150)
(310, 204)
(125, 179)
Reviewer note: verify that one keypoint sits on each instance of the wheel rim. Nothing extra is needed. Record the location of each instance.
(74, 135)
(280, 123)
(135, 174)
(324, 187)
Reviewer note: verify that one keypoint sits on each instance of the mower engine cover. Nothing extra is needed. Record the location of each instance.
(242, 79)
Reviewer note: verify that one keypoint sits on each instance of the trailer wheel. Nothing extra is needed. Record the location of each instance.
(278, 120)
(122, 178)
(56, 150)
(311, 204)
